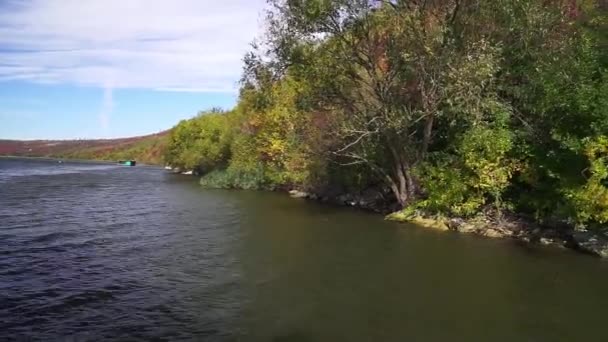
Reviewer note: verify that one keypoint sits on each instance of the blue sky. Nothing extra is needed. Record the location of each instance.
(114, 68)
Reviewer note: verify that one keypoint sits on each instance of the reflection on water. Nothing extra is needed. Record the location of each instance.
(134, 253)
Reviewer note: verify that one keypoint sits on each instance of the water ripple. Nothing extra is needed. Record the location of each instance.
(103, 253)
(94, 248)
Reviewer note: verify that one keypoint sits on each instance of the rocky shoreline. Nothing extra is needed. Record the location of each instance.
(371, 199)
(589, 242)
(509, 226)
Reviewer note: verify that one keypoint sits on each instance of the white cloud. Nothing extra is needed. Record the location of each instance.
(107, 106)
(178, 45)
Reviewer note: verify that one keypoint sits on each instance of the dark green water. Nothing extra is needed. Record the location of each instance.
(94, 252)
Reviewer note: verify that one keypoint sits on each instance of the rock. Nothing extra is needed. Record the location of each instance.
(344, 199)
(455, 223)
(298, 194)
(397, 216)
(400, 216)
(330, 193)
(187, 172)
(370, 197)
(429, 223)
(591, 242)
(373, 198)
(467, 227)
(557, 242)
(545, 241)
(495, 233)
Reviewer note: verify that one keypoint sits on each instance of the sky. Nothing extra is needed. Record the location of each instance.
(76, 69)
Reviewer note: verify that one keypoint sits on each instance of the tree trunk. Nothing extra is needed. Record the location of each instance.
(412, 188)
(402, 182)
(400, 191)
(428, 130)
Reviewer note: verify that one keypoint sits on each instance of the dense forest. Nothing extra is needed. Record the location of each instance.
(448, 107)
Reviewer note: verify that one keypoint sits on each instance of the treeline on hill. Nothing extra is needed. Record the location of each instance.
(454, 107)
(146, 149)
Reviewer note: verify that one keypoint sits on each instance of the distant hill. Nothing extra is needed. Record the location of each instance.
(145, 149)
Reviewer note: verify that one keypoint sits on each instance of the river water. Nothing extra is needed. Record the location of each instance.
(96, 251)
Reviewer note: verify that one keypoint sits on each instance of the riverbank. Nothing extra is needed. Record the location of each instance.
(509, 226)
(518, 228)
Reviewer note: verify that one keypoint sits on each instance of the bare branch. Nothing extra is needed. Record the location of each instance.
(356, 141)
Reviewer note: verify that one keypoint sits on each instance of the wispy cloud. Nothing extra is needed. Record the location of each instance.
(178, 45)
(107, 106)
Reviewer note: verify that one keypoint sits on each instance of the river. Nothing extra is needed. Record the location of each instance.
(92, 251)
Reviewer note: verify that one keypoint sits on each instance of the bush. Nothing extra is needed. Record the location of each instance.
(448, 188)
(478, 173)
(235, 179)
(590, 201)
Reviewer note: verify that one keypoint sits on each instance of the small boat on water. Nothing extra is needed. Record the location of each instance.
(127, 162)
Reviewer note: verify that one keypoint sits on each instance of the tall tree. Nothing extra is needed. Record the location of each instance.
(382, 71)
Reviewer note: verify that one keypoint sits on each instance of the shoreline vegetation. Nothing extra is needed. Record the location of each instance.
(485, 117)
(481, 117)
(509, 225)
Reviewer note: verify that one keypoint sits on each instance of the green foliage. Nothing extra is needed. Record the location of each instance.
(485, 153)
(556, 81)
(274, 137)
(449, 188)
(480, 170)
(202, 143)
(590, 201)
(455, 106)
(236, 179)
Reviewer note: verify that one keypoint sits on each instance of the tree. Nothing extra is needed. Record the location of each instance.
(201, 143)
(381, 72)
